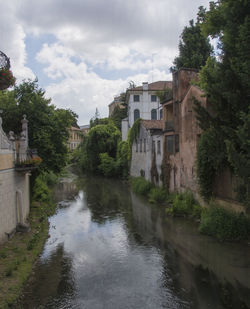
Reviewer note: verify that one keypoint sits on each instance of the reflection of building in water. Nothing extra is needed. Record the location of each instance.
(203, 265)
(65, 191)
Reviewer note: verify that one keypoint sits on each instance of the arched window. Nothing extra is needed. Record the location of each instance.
(136, 114)
(153, 114)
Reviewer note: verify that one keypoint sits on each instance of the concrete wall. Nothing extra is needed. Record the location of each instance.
(14, 200)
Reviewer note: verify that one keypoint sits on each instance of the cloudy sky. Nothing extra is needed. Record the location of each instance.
(84, 52)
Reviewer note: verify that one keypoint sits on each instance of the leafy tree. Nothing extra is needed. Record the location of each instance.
(102, 138)
(194, 47)
(48, 126)
(227, 85)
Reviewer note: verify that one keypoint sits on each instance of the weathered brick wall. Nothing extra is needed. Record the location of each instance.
(13, 183)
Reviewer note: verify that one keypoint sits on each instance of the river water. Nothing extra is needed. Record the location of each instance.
(110, 249)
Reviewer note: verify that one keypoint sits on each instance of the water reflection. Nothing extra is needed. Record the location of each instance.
(110, 249)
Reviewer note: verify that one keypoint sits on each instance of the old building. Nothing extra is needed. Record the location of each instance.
(147, 151)
(143, 102)
(75, 138)
(14, 181)
(116, 102)
(181, 132)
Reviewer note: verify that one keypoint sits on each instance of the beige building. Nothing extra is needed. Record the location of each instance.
(14, 182)
(75, 138)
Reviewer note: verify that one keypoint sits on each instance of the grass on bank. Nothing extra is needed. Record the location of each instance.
(214, 221)
(18, 255)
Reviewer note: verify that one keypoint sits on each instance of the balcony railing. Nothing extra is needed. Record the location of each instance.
(169, 125)
(28, 160)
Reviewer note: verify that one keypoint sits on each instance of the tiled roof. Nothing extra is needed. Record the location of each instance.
(153, 124)
(160, 85)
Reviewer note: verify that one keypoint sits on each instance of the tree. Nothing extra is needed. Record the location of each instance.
(102, 138)
(48, 126)
(194, 47)
(227, 85)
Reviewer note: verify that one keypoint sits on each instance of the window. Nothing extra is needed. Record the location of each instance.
(136, 114)
(158, 147)
(136, 145)
(160, 113)
(153, 146)
(136, 98)
(140, 145)
(177, 144)
(153, 114)
(153, 98)
(170, 144)
(144, 144)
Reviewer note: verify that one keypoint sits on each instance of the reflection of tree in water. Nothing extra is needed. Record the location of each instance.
(106, 198)
(53, 283)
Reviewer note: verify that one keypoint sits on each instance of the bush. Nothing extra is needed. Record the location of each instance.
(158, 195)
(41, 191)
(108, 165)
(184, 204)
(224, 225)
(140, 185)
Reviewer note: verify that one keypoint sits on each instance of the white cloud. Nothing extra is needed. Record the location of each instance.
(139, 37)
(12, 41)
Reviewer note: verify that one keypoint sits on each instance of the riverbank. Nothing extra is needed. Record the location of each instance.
(19, 254)
(214, 220)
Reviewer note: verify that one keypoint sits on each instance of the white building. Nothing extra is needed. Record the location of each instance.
(143, 102)
(147, 151)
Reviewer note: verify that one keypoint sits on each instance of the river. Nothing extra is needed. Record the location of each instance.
(110, 249)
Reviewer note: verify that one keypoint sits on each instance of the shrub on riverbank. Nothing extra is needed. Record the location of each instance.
(157, 195)
(224, 225)
(140, 185)
(41, 189)
(18, 255)
(184, 204)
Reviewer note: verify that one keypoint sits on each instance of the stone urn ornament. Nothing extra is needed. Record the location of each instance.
(6, 76)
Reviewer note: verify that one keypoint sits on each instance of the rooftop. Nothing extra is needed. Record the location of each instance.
(160, 85)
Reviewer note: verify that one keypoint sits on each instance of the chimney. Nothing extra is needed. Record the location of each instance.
(145, 86)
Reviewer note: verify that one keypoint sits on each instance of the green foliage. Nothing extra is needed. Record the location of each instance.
(117, 116)
(211, 158)
(101, 138)
(165, 94)
(122, 158)
(140, 185)
(48, 126)
(108, 165)
(224, 225)
(194, 48)
(157, 195)
(41, 190)
(132, 135)
(184, 204)
(227, 85)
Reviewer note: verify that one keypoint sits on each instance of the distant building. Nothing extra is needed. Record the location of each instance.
(76, 136)
(143, 102)
(85, 129)
(117, 102)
